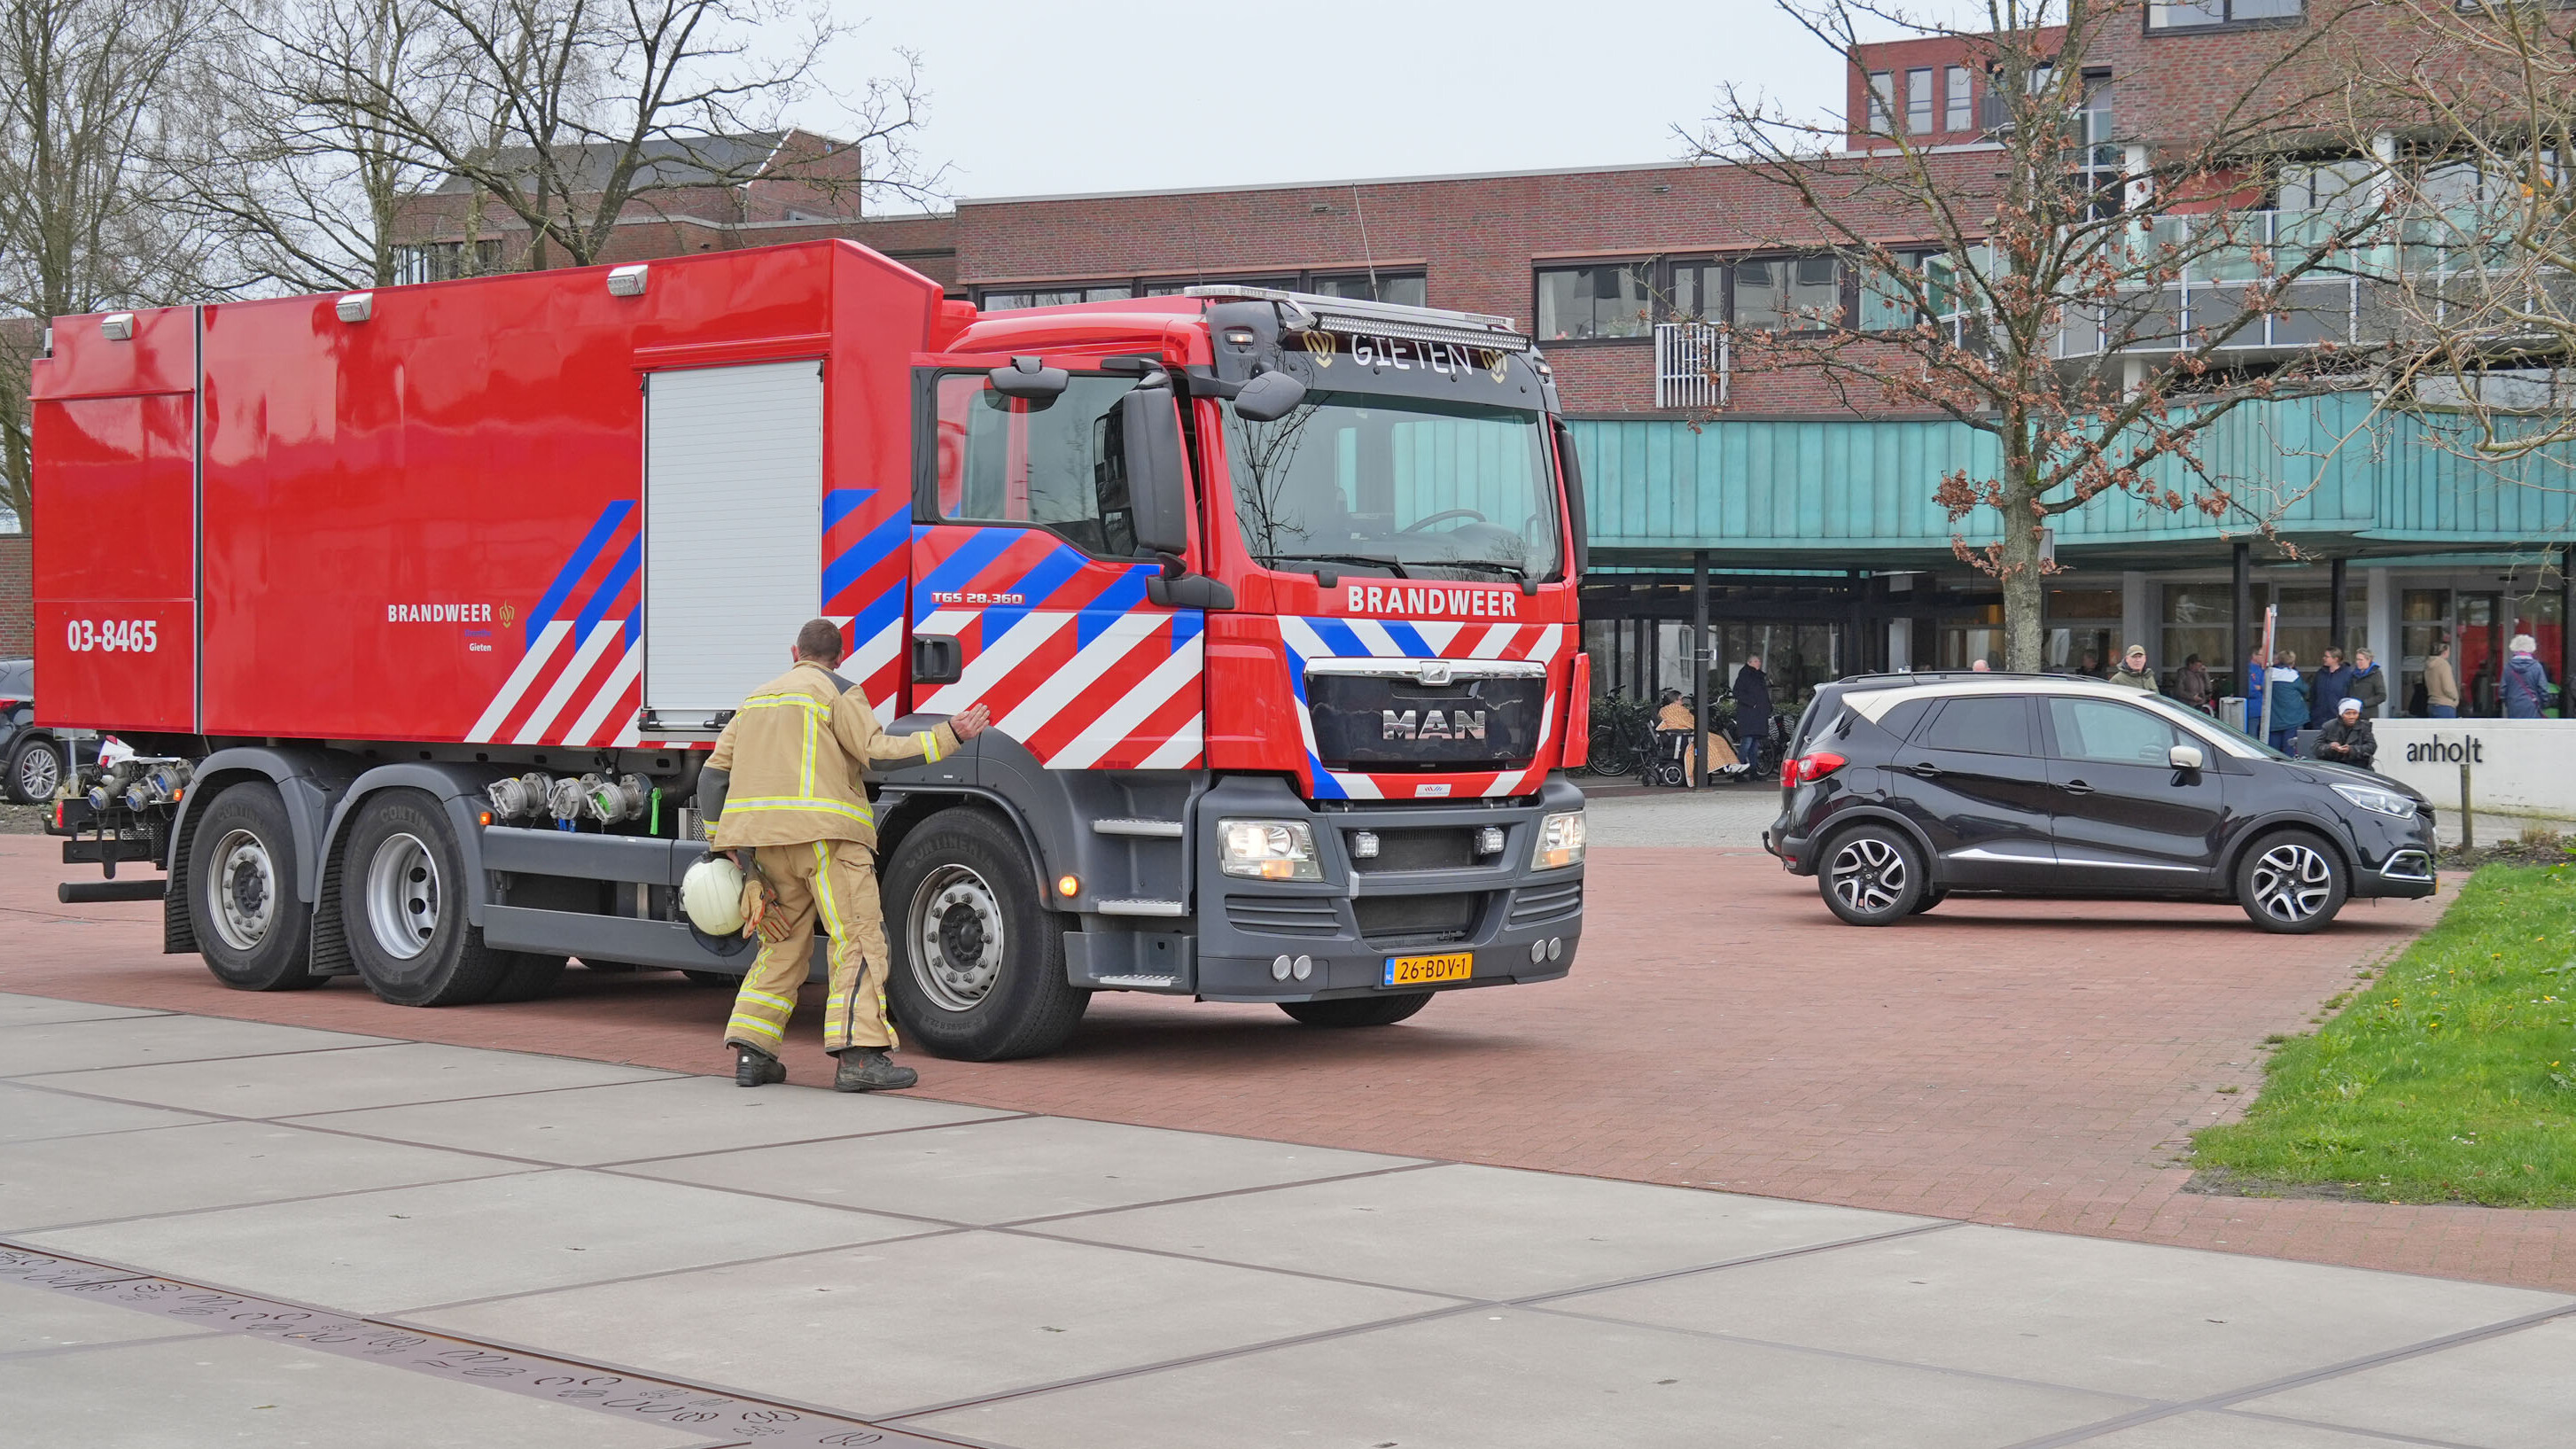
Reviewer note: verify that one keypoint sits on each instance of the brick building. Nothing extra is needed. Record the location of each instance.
(17, 617)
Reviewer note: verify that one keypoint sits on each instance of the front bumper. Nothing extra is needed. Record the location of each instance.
(1337, 935)
(2393, 857)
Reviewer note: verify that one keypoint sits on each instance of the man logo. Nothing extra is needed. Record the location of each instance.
(1464, 724)
(1319, 345)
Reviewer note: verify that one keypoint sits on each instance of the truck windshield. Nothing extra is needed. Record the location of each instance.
(1417, 488)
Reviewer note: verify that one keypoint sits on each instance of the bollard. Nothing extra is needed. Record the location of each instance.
(2468, 821)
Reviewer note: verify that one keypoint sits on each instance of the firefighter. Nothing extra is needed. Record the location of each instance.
(783, 793)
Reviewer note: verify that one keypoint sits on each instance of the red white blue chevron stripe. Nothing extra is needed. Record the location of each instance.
(866, 537)
(1073, 660)
(1344, 638)
(577, 681)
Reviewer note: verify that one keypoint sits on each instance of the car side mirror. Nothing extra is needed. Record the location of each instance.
(1268, 398)
(2184, 757)
(1026, 377)
(1158, 485)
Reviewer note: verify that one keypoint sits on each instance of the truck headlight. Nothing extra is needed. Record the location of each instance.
(1560, 841)
(1268, 849)
(2386, 802)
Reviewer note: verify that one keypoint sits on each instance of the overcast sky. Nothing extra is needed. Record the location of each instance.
(1078, 95)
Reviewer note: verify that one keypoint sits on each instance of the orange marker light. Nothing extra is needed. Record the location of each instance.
(484, 818)
(1066, 885)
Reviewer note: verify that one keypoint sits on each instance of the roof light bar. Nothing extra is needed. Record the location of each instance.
(1379, 319)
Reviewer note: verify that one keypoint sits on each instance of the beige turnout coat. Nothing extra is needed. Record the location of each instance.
(796, 751)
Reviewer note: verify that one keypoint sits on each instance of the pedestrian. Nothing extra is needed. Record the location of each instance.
(1980, 667)
(2331, 682)
(2289, 709)
(2258, 672)
(1752, 708)
(2191, 684)
(2133, 672)
(2368, 684)
(2347, 738)
(2526, 680)
(783, 786)
(2441, 684)
(2091, 668)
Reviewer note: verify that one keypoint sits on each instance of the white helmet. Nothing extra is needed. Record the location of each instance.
(712, 895)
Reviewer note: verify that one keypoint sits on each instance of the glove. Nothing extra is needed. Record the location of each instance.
(758, 897)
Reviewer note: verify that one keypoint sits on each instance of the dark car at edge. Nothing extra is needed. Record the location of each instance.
(1902, 789)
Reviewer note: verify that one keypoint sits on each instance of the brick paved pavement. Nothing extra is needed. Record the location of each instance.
(2012, 1063)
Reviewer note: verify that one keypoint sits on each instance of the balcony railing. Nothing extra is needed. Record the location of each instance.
(1692, 363)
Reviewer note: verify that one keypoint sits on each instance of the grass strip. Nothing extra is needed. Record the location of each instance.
(2452, 1078)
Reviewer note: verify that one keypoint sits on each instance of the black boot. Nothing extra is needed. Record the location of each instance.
(866, 1069)
(756, 1068)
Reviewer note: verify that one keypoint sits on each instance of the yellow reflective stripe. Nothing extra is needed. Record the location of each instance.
(930, 746)
(804, 702)
(865, 813)
(823, 891)
(755, 1024)
(764, 998)
(805, 771)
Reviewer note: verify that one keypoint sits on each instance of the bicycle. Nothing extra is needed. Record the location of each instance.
(1621, 735)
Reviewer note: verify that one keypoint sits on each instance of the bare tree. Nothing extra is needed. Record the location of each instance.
(2090, 297)
(84, 221)
(597, 108)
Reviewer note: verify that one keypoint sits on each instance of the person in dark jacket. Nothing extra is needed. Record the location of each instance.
(2526, 681)
(1752, 706)
(2287, 705)
(2258, 672)
(2347, 738)
(2369, 685)
(2191, 685)
(2331, 682)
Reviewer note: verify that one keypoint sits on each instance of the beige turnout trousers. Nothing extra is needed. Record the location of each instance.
(838, 878)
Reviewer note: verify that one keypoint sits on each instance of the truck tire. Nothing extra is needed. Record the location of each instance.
(402, 903)
(978, 963)
(251, 925)
(1358, 1010)
(34, 771)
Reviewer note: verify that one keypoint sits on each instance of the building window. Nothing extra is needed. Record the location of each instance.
(2101, 163)
(1882, 99)
(1404, 289)
(1918, 102)
(1017, 300)
(445, 261)
(2202, 14)
(1788, 294)
(1697, 292)
(1580, 302)
(1962, 114)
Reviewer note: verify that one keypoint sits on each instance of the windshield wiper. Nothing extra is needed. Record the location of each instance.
(1515, 570)
(1388, 564)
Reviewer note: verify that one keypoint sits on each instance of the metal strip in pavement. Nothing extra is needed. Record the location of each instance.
(722, 1419)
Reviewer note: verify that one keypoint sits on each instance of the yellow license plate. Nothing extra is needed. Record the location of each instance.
(1423, 970)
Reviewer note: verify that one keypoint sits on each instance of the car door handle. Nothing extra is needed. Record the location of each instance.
(2074, 787)
(1923, 769)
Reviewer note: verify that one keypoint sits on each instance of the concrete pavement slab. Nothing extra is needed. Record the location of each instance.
(77, 1046)
(2513, 1391)
(2127, 1318)
(42, 1319)
(2232, 1431)
(591, 1125)
(1026, 1167)
(1480, 1379)
(212, 1164)
(30, 1114)
(907, 1325)
(278, 1086)
(228, 1390)
(379, 1252)
(1482, 1232)
(18, 1010)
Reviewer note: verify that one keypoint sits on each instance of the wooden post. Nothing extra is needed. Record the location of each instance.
(2468, 815)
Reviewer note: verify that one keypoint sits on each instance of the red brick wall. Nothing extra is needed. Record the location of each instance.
(17, 597)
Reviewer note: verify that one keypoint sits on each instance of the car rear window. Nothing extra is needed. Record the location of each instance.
(1979, 724)
(17, 679)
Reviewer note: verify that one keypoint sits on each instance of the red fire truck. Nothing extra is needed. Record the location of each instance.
(420, 607)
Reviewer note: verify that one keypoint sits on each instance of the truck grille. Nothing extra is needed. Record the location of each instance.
(1370, 721)
(1282, 915)
(1418, 920)
(1536, 905)
(1449, 849)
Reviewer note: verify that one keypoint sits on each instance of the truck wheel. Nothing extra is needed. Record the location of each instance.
(1358, 1010)
(531, 977)
(402, 903)
(978, 968)
(35, 771)
(253, 931)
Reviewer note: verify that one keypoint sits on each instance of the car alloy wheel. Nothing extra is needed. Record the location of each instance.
(2293, 882)
(1869, 875)
(40, 773)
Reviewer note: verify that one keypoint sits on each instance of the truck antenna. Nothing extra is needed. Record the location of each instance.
(1367, 257)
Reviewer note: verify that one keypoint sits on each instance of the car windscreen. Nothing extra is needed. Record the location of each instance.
(1417, 487)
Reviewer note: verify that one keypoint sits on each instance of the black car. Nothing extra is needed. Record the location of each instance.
(1902, 788)
(33, 758)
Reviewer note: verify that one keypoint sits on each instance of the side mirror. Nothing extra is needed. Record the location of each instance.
(1026, 378)
(2184, 757)
(1268, 398)
(1158, 485)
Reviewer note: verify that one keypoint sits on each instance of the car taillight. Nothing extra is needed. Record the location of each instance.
(1807, 769)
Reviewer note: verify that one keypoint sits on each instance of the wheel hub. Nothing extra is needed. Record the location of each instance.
(245, 890)
(955, 929)
(1869, 875)
(403, 896)
(2292, 882)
